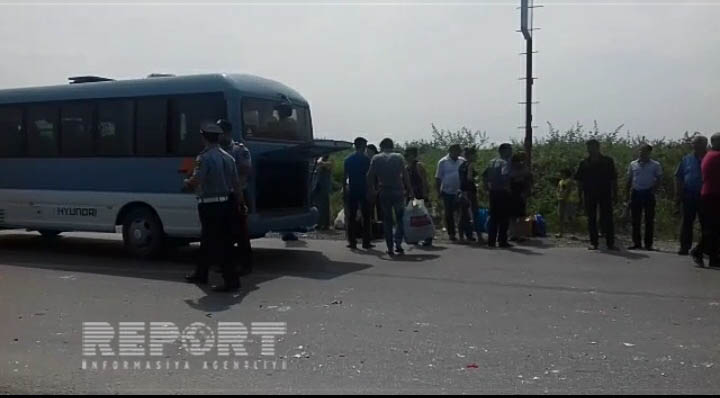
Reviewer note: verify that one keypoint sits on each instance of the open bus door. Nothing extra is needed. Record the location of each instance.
(283, 176)
(308, 151)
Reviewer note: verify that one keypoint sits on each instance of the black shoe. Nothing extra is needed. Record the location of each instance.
(390, 253)
(368, 246)
(491, 245)
(400, 251)
(471, 239)
(506, 245)
(683, 252)
(245, 271)
(715, 263)
(635, 247)
(613, 248)
(453, 238)
(352, 246)
(593, 247)
(650, 248)
(226, 288)
(196, 279)
(698, 259)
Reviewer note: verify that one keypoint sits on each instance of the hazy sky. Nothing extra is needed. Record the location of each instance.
(392, 69)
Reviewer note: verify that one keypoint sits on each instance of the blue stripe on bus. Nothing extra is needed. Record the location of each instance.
(141, 175)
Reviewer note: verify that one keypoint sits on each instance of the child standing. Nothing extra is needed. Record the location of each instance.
(567, 200)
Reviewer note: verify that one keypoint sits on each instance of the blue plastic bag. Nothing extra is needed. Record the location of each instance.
(539, 226)
(481, 217)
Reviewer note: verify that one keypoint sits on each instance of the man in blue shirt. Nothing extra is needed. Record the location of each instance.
(355, 193)
(688, 184)
(496, 180)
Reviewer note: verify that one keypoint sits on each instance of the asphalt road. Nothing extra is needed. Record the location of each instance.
(454, 319)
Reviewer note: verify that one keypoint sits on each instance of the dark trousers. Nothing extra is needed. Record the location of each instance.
(710, 209)
(216, 241)
(321, 199)
(468, 214)
(353, 205)
(500, 206)
(393, 203)
(691, 210)
(643, 202)
(604, 203)
(451, 206)
(242, 249)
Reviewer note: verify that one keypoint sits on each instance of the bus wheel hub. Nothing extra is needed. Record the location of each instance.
(140, 233)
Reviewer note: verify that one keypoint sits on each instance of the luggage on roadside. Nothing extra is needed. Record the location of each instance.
(418, 223)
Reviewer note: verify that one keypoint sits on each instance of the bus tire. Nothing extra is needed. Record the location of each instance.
(143, 233)
(48, 234)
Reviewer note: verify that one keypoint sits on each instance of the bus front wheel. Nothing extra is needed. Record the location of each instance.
(47, 234)
(143, 233)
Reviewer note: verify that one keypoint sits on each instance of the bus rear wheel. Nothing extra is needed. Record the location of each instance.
(143, 233)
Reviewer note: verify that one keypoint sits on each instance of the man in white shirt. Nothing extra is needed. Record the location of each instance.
(447, 179)
(644, 176)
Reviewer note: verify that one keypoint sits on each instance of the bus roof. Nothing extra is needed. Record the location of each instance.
(243, 84)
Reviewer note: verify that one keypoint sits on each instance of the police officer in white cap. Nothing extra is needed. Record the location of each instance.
(215, 180)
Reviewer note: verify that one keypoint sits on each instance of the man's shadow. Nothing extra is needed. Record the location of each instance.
(214, 302)
(407, 257)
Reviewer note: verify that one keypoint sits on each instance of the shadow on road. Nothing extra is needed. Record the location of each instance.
(521, 250)
(407, 257)
(625, 254)
(108, 257)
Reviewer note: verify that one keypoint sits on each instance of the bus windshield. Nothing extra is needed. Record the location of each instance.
(275, 120)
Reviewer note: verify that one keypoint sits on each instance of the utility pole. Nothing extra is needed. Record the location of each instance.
(527, 28)
(529, 80)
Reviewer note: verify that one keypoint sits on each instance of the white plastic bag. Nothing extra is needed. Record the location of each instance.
(418, 223)
(340, 220)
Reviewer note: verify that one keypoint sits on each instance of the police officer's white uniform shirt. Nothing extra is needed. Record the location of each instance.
(216, 171)
(448, 172)
(644, 175)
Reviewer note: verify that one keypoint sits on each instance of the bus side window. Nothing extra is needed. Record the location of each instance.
(151, 131)
(12, 141)
(76, 121)
(42, 128)
(187, 114)
(115, 128)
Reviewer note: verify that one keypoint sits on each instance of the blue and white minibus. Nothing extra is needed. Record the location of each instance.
(101, 155)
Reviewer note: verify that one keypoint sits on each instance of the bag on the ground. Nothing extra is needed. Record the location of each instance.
(481, 218)
(523, 228)
(378, 230)
(418, 223)
(539, 226)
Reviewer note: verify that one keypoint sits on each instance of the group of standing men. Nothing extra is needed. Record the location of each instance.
(393, 180)
(219, 180)
(697, 194)
(382, 179)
